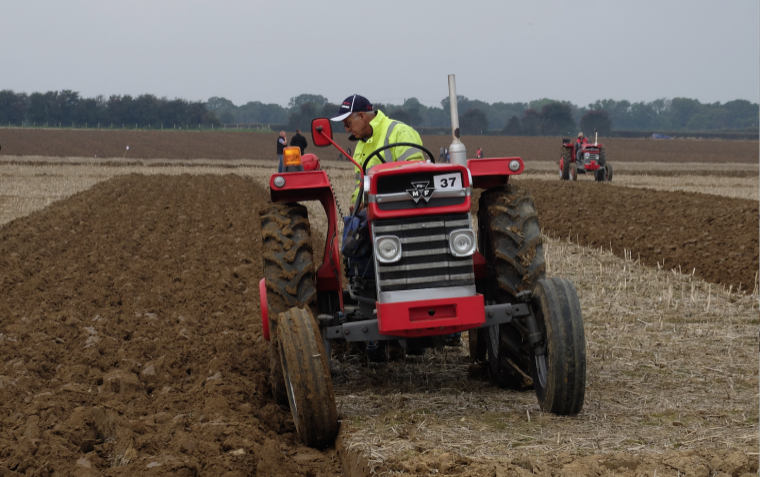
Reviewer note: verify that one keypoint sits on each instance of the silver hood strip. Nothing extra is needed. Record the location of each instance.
(422, 253)
(403, 196)
(426, 238)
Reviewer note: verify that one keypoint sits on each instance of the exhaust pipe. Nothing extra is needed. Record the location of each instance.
(457, 151)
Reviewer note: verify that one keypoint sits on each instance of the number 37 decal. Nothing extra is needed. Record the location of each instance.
(448, 181)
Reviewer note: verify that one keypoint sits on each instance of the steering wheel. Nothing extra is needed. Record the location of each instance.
(376, 152)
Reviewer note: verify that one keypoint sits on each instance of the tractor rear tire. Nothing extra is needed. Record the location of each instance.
(289, 273)
(509, 238)
(573, 175)
(567, 156)
(307, 378)
(608, 173)
(559, 375)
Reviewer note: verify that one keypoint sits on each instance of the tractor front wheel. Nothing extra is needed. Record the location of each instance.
(559, 373)
(509, 238)
(476, 340)
(307, 378)
(289, 273)
(608, 173)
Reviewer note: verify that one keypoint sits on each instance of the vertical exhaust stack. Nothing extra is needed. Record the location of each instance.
(457, 151)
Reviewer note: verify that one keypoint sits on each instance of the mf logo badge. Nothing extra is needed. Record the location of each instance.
(421, 190)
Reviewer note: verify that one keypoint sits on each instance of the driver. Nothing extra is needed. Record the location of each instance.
(579, 145)
(373, 130)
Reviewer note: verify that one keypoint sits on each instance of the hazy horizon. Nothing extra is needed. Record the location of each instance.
(243, 51)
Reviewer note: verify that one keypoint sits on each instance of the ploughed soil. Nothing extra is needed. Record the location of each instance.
(130, 336)
(258, 145)
(714, 236)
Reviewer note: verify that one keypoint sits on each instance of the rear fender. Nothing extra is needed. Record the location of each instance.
(493, 171)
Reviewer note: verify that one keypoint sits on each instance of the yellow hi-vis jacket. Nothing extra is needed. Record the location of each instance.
(385, 131)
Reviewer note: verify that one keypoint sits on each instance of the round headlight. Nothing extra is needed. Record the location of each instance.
(388, 249)
(585, 155)
(462, 243)
(279, 181)
(514, 165)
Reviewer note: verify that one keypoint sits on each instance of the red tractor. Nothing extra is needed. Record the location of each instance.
(578, 158)
(430, 273)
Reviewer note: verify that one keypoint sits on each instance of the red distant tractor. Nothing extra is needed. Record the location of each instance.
(428, 274)
(579, 158)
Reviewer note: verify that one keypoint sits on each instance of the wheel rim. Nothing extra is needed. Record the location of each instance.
(541, 371)
(291, 392)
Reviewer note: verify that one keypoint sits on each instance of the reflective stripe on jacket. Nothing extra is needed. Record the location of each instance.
(385, 131)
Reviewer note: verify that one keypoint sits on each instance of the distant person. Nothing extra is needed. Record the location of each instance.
(282, 142)
(448, 157)
(299, 141)
(351, 154)
(479, 154)
(441, 154)
(579, 145)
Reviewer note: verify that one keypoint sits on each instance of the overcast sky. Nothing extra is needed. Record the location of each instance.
(387, 50)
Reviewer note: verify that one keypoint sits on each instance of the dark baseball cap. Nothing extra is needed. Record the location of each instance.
(352, 104)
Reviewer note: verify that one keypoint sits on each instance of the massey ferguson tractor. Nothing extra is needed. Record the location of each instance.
(591, 158)
(431, 271)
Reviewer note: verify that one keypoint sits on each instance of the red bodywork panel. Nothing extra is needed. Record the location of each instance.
(315, 185)
(395, 168)
(310, 162)
(414, 319)
(492, 171)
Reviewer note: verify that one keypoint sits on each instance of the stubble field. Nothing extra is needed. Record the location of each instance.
(131, 341)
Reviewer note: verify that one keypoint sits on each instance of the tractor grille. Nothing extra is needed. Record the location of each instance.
(593, 157)
(426, 261)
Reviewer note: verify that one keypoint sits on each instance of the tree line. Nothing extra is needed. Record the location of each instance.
(68, 108)
(540, 117)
